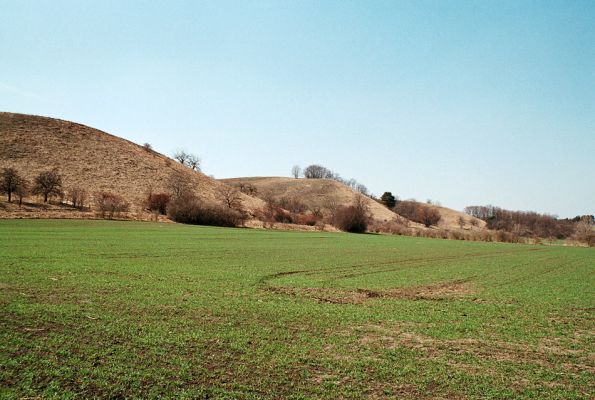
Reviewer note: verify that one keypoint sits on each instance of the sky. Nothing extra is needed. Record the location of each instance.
(461, 102)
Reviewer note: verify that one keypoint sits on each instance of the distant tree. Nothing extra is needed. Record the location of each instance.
(361, 188)
(584, 231)
(9, 182)
(231, 196)
(148, 147)
(388, 200)
(418, 212)
(48, 183)
(22, 190)
(316, 171)
(192, 161)
(77, 196)
(296, 171)
(178, 184)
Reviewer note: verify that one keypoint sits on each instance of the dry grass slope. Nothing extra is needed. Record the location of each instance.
(315, 193)
(321, 193)
(94, 160)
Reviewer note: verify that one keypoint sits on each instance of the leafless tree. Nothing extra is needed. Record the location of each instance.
(178, 184)
(361, 188)
(296, 171)
(148, 147)
(316, 171)
(230, 196)
(22, 190)
(9, 182)
(48, 183)
(77, 196)
(192, 161)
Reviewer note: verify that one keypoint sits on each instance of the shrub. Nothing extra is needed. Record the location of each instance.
(157, 202)
(354, 218)
(189, 210)
(418, 212)
(110, 205)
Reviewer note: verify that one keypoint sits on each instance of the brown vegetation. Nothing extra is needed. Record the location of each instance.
(47, 184)
(353, 218)
(190, 210)
(96, 161)
(418, 212)
(110, 205)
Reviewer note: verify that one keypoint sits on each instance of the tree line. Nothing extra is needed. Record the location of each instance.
(533, 224)
(316, 171)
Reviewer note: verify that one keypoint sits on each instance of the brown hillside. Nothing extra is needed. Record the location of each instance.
(322, 192)
(315, 193)
(95, 160)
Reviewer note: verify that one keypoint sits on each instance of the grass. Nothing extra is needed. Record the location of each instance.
(143, 310)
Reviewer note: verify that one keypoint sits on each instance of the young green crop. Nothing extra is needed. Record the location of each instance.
(143, 310)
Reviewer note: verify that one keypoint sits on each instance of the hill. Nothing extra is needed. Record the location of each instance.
(95, 160)
(325, 194)
(322, 194)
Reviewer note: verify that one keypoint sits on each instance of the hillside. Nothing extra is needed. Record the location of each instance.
(314, 193)
(95, 160)
(326, 193)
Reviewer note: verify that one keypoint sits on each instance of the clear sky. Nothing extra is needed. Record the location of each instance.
(463, 102)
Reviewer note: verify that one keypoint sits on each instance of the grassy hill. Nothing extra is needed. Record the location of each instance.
(95, 160)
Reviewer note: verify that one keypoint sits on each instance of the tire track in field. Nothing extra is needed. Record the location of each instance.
(265, 281)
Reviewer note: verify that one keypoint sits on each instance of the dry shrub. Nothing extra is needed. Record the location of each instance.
(110, 205)
(157, 202)
(354, 218)
(292, 204)
(418, 212)
(306, 219)
(190, 210)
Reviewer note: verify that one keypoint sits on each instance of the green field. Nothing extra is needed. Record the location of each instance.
(143, 310)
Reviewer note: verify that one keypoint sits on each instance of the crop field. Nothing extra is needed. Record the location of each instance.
(144, 310)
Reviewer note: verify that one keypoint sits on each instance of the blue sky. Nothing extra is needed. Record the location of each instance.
(463, 102)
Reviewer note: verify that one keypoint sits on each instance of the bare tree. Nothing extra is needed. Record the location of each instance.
(48, 183)
(192, 161)
(181, 156)
(316, 171)
(230, 196)
(22, 190)
(77, 196)
(9, 182)
(148, 147)
(361, 188)
(178, 184)
(296, 171)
